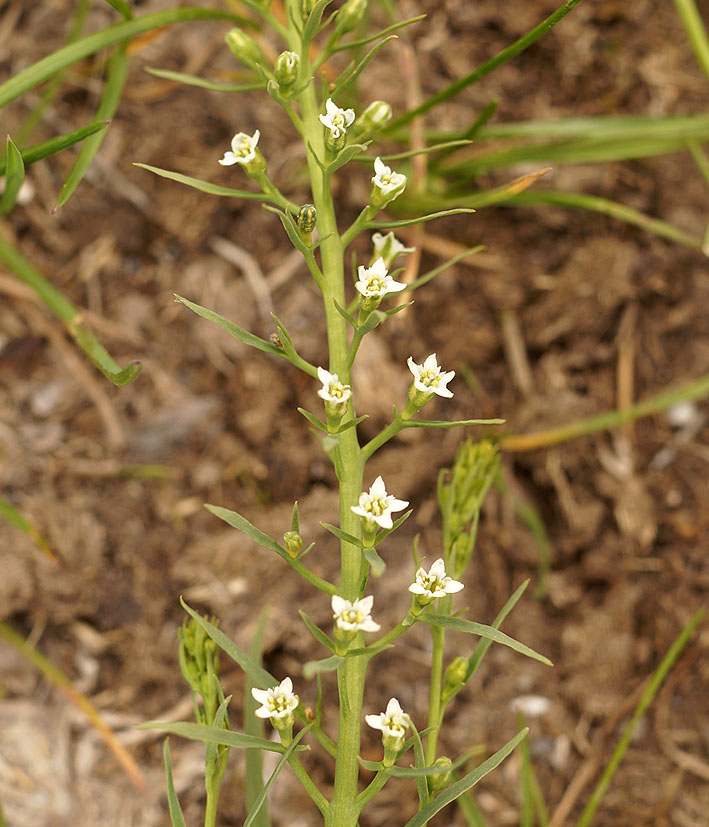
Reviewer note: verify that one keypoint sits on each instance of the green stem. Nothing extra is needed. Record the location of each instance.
(434, 701)
(374, 444)
(373, 788)
(308, 784)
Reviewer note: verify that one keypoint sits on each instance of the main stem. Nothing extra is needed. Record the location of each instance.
(343, 810)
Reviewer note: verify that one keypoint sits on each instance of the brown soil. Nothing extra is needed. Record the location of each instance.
(547, 325)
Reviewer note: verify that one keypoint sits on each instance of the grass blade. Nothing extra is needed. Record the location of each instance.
(173, 803)
(47, 148)
(14, 177)
(16, 518)
(213, 735)
(253, 725)
(696, 32)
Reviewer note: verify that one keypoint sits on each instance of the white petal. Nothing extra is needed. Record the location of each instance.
(324, 376)
(396, 505)
(430, 363)
(416, 588)
(228, 160)
(378, 489)
(384, 520)
(380, 167)
(369, 625)
(339, 604)
(261, 695)
(365, 604)
(374, 721)
(453, 586)
(286, 686)
(393, 708)
(438, 569)
(360, 512)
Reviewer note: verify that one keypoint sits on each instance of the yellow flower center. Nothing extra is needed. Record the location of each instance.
(429, 378)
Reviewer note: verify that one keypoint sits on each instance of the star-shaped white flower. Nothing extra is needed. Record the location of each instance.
(392, 723)
(336, 120)
(243, 149)
(434, 584)
(386, 181)
(375, 282)
(354, 617)
(377, 506)
(428, 377)
(389, 247)
(276, 702)
(332, 389)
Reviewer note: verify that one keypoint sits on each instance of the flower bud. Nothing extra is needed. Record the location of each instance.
(440, 780)
(285, 68)
(294, 543)
(455, 676)
(335, 143)
(244, 48)
(350, 16)
(305, 220)
(374, 118)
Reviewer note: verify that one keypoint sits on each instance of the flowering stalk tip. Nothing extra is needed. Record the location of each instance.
(376, 508)
(244, 151)
(387, 185)
(429, 379)
(427, 587)
(278, 704)
(393, 724)
(374, 283)
(336, 396)
(336, 121)
(352, 617)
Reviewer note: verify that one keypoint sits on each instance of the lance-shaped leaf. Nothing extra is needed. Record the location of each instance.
(173, 803)
(342, 535)
(431, 274)
(466, 782)
(317, 632)
(233, 329)
(14, 177)
(385, 532)
(346, 155)
(258, 804)
(345, 315)
(214, 735)
(37, 152)
(348, 77)
(427, 150)
(202, 83)
(458, 624)
(313, 420)
(204, 186)
(316, 667)
(442, 423)
(351, 423)
(313, 20)
(356, 44)
(407, 222)
(257, 674)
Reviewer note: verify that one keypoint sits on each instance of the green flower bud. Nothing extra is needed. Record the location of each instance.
(455, 676)
(335, 143)
(285, 68)
(244, 48)
(350, 16)
(294, 543)
(306, 219)
(374, 118)
(440, 780)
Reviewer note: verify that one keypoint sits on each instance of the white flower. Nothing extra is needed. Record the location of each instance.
(374, 281)
(332, 389)
(428, 377)
(434, 584)
(377, 506)
(278, 701)
(336, 120)
(393, 723)
(243, 149)
(354, 617)
(386, 181)
(389, 247)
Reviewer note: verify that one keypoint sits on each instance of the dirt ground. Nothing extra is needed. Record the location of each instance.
(558, 318)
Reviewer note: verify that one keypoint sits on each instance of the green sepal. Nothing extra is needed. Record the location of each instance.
(376, 564)
(231, 328)
(442, 423)
(384, 533)
(313, 420)
(204, 186)
(458, 624)
(466, 782)
(345, 315)
(292, 747)
(352, 423)
(202, 83)
(342, 535)
(14, 177)
(407, 222)
(37, 152)
(173, 802)
(346, 155)
(316, 667)
(257, 674)
(317, 632)
(215, 735)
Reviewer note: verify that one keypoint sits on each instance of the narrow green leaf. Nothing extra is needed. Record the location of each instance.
(466, 782)
(173, 802)
(345, 315)
(346, 155)
(122, 7)
(258, 804)
(384, 533)
(44, 69)
(253, 725)
(455, 423)
(204, 186)
(257, 674)
(696, 31)
(202, 83)
(115, 81)
(458, 624)
(342, 535)
(407, 222)
(214, 735)
(313, 20)
(14, 177)
(71, 317)
(317, 632)
(232, 328)
(348, 77)
(54, 145)
(16, 518)
(420, 761)
(438, 147)
(242, 524)
(431, 274)
(317, 667)
(313, 420)
(356, 44)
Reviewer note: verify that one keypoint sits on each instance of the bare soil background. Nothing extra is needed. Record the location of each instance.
(577, 296)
